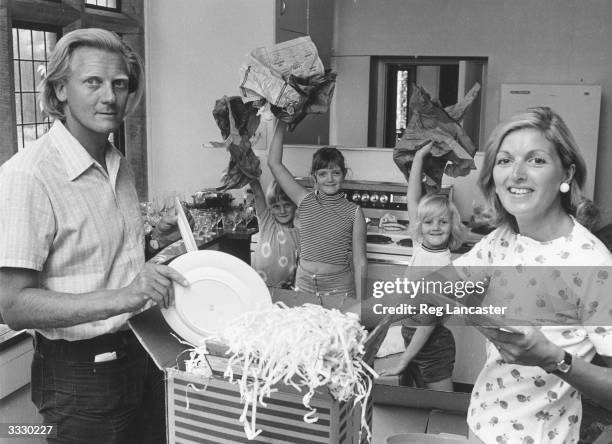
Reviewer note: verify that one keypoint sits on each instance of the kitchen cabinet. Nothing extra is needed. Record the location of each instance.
(315, 18)
(15, 357)
(321, 28)
(292, 15)
(400, 410)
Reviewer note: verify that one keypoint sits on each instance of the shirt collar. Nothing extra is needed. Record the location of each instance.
(330, 197)
(75, 157)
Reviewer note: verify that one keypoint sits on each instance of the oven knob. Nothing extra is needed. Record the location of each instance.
(374, 198)
(365, 197)
(384, 199)
(356, 197)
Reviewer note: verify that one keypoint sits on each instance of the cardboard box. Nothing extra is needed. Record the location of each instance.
(441, 421)
(208, 410)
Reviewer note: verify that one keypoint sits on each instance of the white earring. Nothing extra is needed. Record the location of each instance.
(564, 187)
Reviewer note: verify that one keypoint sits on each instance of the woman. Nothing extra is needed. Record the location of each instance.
(529, 389)
(546, 269)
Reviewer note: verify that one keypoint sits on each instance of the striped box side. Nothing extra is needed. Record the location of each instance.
(211, 415)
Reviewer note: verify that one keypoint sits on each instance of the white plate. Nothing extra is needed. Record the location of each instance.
(222, 287)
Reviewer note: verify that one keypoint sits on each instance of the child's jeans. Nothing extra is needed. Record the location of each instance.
(340, 284)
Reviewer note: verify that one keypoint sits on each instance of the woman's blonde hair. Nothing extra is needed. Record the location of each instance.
(554, 129)
(58, 68)
(436, 205)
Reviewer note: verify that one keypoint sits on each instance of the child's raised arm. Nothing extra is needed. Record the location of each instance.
(283, 176)
(260, 197)
(415, 182)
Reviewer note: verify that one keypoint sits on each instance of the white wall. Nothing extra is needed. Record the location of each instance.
(544, 41)
(349, 109)
(375, 164)
(195, 49)
(194, 52)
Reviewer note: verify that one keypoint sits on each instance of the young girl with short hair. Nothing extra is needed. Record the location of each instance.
(332, 229)
(436, 228)
(275, 258)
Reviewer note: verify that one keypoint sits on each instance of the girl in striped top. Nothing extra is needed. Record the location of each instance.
(332, 229)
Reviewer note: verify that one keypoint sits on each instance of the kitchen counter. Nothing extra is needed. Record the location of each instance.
(210, 242)
(15, 359)
(10, 337)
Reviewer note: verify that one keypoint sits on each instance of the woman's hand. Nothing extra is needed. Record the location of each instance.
(524, 346)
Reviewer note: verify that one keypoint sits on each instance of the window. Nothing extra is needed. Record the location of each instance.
(112, 5)
(30, 50)
(445, 79)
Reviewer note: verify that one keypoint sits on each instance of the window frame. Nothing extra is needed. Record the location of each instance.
(104, 8)
(32, 27)
(383, 72)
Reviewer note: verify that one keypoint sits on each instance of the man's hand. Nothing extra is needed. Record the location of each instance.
(153, 283)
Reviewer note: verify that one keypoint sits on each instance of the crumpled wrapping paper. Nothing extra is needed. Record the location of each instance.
(237, 127)
(431, 122)
(258, 82)
(316, 93)
(290, 77)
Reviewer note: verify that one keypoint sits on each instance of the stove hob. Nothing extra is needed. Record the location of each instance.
(389, 245)
(379, 239)
(406, 242)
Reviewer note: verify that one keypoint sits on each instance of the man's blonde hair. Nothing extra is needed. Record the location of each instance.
(58, 68)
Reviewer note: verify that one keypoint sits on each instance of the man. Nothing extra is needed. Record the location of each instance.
(72, 252)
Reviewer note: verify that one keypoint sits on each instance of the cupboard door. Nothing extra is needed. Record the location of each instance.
(292, 15)
(296, 18)
(282, 35)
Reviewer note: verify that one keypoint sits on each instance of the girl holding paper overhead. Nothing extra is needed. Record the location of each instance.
(436, 227)
(332, 229)
(275, 258)
(529, 389)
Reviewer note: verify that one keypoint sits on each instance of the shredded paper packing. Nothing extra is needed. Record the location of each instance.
(307, 348)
